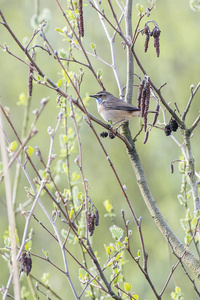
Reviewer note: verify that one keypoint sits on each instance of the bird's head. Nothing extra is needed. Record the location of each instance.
(100, 96)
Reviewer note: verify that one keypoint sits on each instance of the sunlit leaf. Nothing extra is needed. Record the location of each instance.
(59, 30)
(187, 239)
(28, 245)
(29, 150)
(109, 249)
(12, 146)
(46, 253)
(135, 297)
(22, 99)
(59, 82)
(100, 73)
(127, 287)
(108, 206)
(82, 274)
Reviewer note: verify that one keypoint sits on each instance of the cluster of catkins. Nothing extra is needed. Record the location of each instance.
(156, 35)
(92, 221)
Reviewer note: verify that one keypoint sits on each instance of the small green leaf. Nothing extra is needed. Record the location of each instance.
(184, 224)
(119, 256)
(7, 242)
(64, 233)
(110, 121)
(71, 213)
(139, 7)
(59, 30)
(70, 131)
(127, 287)
(75, 176)
(108, 206)
(24, 293)
(138, 255)
(135, 297)
(65, 168)
(117, 232)
(80, 196)
(197, 213)
(181, 200)
(59, 83)
(100, 74)
(12, 146)
(28, 246)
(178, 290)
(65, 138)
(93, 46)
(22, 99)
(62, 53)
(187, 239)
(46, 253)
(109, 250)
(173, 295)
(194, 223)
(117, 279)
(29, 150)
(82, 274)
(89, 294)
(45, 279)
(188, 215)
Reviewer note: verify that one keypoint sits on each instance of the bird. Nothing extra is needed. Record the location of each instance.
(114, 110)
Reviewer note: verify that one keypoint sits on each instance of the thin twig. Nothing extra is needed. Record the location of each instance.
(193, 93)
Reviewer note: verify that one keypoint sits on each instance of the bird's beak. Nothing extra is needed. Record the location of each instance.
(93, 96)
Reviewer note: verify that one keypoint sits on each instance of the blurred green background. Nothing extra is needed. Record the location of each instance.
(178, 66)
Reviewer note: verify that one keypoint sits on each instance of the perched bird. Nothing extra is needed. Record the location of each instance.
(114, 110)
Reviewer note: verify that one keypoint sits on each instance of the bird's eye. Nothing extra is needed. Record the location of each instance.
(100, 95)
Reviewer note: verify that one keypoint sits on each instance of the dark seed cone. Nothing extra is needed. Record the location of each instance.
(168, 130)
(173, 124)
(30, 80)
(104, 134)
(80, 10)
(111, 135)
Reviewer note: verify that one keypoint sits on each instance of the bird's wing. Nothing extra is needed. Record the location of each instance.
(116, 104)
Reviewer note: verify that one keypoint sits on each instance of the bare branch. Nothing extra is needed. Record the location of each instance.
(193, 93)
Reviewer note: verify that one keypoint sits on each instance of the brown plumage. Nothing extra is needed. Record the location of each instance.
(114, 109)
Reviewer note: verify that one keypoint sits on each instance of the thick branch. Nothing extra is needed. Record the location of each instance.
(130, 65)
(169, 235)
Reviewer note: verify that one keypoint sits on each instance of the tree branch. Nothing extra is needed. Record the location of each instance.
(178, 247)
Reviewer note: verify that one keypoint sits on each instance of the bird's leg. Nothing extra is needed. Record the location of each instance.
(121, 122)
